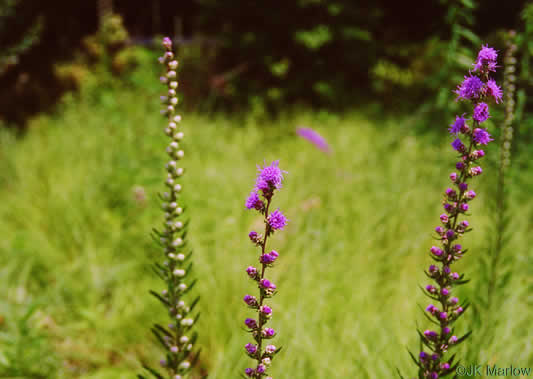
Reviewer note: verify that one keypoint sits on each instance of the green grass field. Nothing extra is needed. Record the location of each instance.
(79, 198)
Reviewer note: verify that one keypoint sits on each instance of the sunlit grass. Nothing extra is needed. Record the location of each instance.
(79, 200)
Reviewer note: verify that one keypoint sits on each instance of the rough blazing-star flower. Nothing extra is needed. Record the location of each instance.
(458, 145)
(458, 126)
(481, 136)
(254, 202)
(486, 58)
(481, 112)
(271, 175)
(315, 138)
(470, 88)
(277, 220)
(494, 90)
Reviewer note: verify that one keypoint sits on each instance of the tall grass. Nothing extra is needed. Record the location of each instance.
(79, 199)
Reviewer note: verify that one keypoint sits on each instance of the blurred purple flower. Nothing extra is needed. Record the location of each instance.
(315, 138)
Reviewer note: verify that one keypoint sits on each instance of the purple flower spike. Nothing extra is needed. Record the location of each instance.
(277, 220)
(315, 138)
(486, 60)
(269, 179)
(481, 112)
(481, 136)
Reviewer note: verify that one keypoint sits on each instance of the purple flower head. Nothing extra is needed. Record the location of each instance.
(457, 248)
(250, 300)
(250, 348)
(443, 315)
(249, 372)
(268, 332)
(434, 356)
(460, 166)
(253, 235)
(254, 202)
(431, 308)
(430, 288)
(475, 171)
(277, 220)
(464, 207)
(267, 259)
(274, 254)
(439, 230)
(430, 334)
(250, 323)
(452, 340)
(470, 195)
(445, 291)
(267, 284)
(260, 368)
(464, 224)
(436, 251)
(265, 309)
(458, 126)
(470, 88)
(433, 269)
(315, 138)
(453, 177)
(446, 330)
(458, 145)
(478, 154)
(463, 186)
(423, 355)
(481, 136)
(445, 366)
(444, 218)
(455, 276)
(433, 375)
(271, 176)
(459, 310)
(450, 193)
(446, 269)
(481, 112)
(270, 349)
(252, 271)
(450, 234)
(492, 89)
(454, 300)
(486, 59)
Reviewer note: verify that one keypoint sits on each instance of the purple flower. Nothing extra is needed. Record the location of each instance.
(252, 271)
(254, 202)
(250, 348)
(455, 276)
(249, 372)
(277, 220)
(470, 195)
(459, 125)
(423, 355)
(260, 368)
(494, 90)
(434, 375)
(253, 235)
(450, 234)
(266, 259)
(481, 112)
(453, 176)
(452, 340)
(463, 186)
(266, 310)
(268, 332)
(446, 269)
(439, 230)
(444, 218)
(445, 366)
(464, 224)
(433, 269)
(250, 300)
(267, 284)
(272, 176)
(315, 138)
(431, 308)
(481, 136)
(475, 171)
(457, 247)
(450, 193)
(167, 43)
(460, 166)
(464, 207)
(446, 330)
(458, 145)
(470, 88)
(486, 59)
(443, 315)
(270, 349)
(250, 323)
(445, 291)
(454, 300)
(430, 334)
(436, 251)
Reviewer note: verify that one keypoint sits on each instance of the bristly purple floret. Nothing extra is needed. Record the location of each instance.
(481, 112)
(486, 59)
(254, 202)
(277, 220)
(492, 89)
(470, 88)
(481, 136)
(458, 126)
(270, 175)
(458, 145)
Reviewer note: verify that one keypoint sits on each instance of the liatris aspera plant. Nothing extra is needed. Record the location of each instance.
(177, 338)
(269, 180)
(477, 88)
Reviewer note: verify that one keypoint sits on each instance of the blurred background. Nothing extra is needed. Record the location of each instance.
(82, 160)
